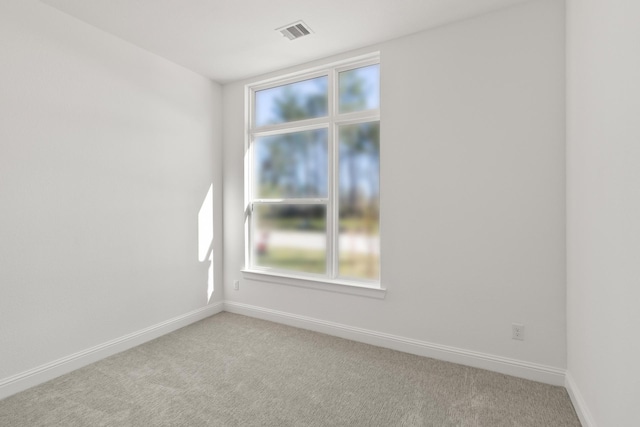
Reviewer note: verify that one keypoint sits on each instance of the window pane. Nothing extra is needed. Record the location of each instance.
(290, 237)
(359, 200)
(291, 165)
(296, 101)
(360, 89)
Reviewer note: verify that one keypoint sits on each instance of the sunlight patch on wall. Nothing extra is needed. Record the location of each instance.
(205, 237)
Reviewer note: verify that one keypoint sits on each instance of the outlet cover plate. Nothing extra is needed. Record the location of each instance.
(517, 331)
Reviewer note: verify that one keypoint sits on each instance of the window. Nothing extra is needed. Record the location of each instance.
(313, 175)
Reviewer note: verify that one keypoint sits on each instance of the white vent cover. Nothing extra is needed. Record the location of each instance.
(295, 30)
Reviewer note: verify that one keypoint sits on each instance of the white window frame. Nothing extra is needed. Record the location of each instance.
(329, 281)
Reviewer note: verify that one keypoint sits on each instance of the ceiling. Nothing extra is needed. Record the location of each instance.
(228, 40)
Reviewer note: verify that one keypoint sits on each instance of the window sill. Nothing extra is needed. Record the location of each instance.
(339, 286)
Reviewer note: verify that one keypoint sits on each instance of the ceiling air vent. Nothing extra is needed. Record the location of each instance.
(295, 30)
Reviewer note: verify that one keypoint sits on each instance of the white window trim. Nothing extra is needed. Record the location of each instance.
(349, 286)
(323, 284)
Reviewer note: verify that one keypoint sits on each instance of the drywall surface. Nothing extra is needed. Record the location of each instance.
(603, 209)
(472, 191)
(107, 155)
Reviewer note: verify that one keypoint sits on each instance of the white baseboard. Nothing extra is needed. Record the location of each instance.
(517, 368)
(586, 419)
(48, 371)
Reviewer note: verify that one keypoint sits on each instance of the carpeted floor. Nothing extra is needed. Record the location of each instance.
(231, 370)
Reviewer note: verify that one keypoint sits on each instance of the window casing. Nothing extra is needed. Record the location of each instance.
(312, 175)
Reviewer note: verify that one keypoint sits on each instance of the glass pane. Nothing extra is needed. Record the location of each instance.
(360, 89)
(290, 237)
(291, 165)
(296, 101)
(359, 201)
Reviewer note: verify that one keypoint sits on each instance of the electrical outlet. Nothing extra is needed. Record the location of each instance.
(236, 284)
(517, 331)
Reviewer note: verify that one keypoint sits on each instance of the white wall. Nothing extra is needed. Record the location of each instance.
(106, 155)
(473, 201)
(603, 210)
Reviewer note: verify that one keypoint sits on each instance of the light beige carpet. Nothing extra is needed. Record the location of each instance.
(231, 370)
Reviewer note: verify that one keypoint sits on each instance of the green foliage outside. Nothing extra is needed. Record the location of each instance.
(310, 261)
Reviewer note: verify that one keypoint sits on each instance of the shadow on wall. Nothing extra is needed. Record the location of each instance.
(205, 238)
